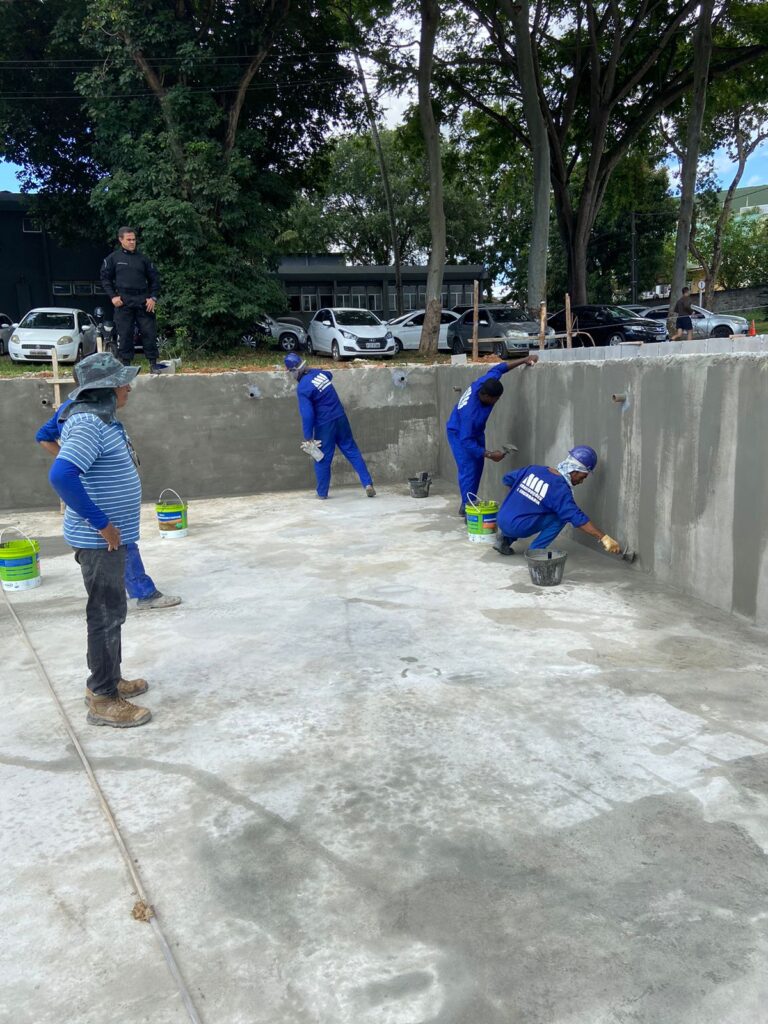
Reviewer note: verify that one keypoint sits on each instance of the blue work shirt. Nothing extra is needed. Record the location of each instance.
(51, 429)
(537, 492)
(318, 401)
(469, 417)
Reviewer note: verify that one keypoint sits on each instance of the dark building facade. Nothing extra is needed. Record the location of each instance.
(36, 271)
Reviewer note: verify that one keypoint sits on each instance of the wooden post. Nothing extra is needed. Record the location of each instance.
(476, 305)
(99, 343)
(568, 322)
(542, 322)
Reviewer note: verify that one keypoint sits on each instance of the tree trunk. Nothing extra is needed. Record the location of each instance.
(395, 241)
(430, 13)
(702, 47)
(519, 15)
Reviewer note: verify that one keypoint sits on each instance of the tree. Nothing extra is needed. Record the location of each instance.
(430, 14)
(196, 123)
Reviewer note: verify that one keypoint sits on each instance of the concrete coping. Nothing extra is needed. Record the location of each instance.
(734, 345)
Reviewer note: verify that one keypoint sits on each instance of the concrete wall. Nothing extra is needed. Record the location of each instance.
(683, 475)
(205, 436)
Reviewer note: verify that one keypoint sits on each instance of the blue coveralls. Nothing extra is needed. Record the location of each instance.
(323, 419)
(137, 582)
(540, 500)
(466, 433)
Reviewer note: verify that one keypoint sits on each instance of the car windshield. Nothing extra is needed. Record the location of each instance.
(617, 312)
(49, 321)
(626, 311)
(357, 318)
(510, 315)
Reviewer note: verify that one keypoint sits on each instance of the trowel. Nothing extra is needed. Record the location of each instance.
(627, 554)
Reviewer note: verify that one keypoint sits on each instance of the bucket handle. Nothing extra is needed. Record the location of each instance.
(471, 503)
(160, 499)
(20, 532)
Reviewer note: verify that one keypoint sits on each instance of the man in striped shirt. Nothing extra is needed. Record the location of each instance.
(95, 475)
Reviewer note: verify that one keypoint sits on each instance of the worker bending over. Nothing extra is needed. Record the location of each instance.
(541, 501)
(325, 424)
(466, 425)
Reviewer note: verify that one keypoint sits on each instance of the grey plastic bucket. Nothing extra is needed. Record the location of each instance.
(546, 566)
(420, 485)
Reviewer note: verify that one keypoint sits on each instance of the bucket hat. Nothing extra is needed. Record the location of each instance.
(102, 370)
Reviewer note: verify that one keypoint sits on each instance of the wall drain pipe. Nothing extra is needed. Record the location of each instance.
(143, 909)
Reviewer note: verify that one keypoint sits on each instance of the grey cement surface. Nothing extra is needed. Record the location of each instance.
(388, 781)
(682, 478)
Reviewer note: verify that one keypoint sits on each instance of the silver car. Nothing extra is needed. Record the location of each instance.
(705, 323)
(6, 330)
(504, 330)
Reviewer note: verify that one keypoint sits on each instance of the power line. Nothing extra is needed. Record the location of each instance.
(259, 86)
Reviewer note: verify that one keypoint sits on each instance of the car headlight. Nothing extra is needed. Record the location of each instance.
(66, 340)
(349, 334)
(389, 336)
(15, 339)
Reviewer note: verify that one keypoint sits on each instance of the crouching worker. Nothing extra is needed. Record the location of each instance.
(541, 501)
(95, 475)
(325, 423)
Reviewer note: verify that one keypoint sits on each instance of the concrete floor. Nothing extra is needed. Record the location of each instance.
(387, 782)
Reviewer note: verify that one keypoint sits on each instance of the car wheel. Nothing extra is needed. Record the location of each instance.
(398, 346)
(721, 332)
(79, 353)
(616, 339)
(498, 349)
(310, 347)
(288, 342)
(457, 347)
(335, 352)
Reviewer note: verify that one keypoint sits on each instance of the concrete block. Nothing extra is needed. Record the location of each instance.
(756, 344)
(719, 346)
(652, 350)
(696, 347)
(674, 348)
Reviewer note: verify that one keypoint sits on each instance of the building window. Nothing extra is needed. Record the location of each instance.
(392, 300)
(342, 300)
(30, 226)
(326, 299)
(309, 303)
(62, 287)
(82, 288)
(97, 289)
(374, 301)
(457, 295)
(422, 295)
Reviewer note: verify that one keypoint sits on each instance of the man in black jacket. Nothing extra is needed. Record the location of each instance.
(133, 285)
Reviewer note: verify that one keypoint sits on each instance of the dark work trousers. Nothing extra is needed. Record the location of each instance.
(133, 313)
(104, 579)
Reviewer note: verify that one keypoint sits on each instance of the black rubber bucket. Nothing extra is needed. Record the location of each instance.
(420, 485)
(546, 566)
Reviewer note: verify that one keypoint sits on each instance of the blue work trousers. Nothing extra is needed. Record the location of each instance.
(137, 582)
(550, 526)
(470, 466)
(338, 433)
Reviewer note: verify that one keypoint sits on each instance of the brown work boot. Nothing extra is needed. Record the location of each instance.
(116, 712)
(126, 688)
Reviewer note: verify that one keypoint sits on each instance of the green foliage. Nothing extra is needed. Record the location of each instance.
(153, 128)
(745, 250)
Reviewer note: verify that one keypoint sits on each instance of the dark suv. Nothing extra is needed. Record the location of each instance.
(609, 325)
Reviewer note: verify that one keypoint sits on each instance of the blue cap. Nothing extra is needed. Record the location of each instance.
(293, 361)
(586, 456)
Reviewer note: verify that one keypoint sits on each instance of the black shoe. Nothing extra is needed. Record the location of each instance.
(462, 511)
(157, 367)
(124, 361)
(503, 545)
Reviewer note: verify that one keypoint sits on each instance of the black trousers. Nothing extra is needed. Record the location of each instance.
(104, 578)
(130, 315)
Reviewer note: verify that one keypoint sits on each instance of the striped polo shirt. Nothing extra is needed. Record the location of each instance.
(109, 477)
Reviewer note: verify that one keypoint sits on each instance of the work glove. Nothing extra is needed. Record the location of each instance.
(312, 448)
(611, 546)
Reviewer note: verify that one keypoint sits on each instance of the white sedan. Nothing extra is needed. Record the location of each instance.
(70, 332)
(346, 333)
(407, 329)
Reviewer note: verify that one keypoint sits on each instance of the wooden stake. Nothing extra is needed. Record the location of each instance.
(542, 322)
(568, 322)
(475, 314)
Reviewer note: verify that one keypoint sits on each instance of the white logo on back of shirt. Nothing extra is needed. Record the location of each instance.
(533, 488)
(320, 381)
(465, 398)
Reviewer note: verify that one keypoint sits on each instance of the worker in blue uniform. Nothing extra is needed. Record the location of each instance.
(138, 583)
(541, 501)
(466, 425)
(325, 425)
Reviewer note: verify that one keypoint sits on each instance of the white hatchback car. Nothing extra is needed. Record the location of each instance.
(71, 332)
(407, 329)
(346, 333)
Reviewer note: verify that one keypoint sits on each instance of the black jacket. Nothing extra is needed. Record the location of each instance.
(129, 273)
